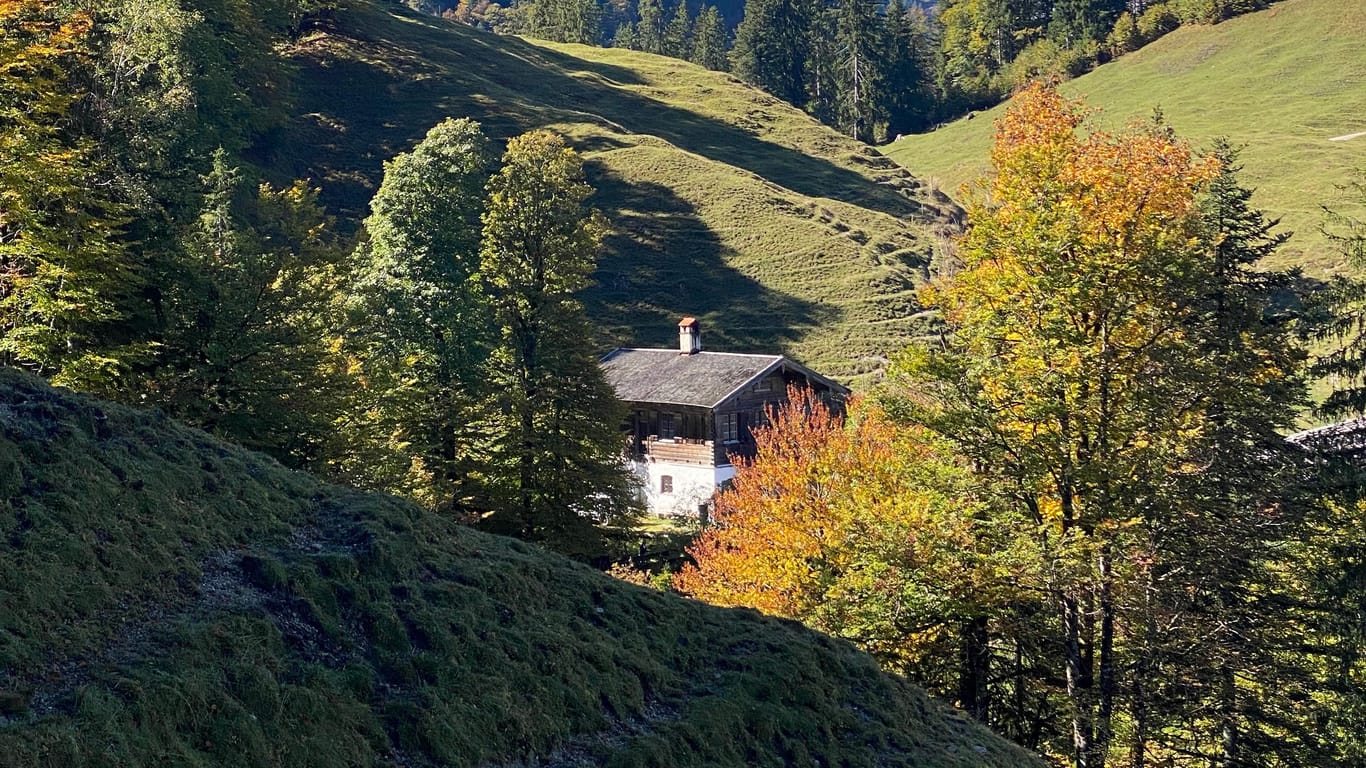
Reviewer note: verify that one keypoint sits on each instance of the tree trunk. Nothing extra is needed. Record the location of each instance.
(972, 679)
(1106, 708)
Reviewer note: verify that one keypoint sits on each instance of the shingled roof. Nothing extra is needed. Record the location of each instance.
(703, 379)
(1345, 438)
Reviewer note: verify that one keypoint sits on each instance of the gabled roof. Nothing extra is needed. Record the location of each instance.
(704, 379)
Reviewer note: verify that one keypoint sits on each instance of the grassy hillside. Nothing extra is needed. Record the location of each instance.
(728, 204)
(167, 599)
(1284, 82)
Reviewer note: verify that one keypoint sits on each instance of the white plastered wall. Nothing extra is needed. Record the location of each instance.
(693, 485)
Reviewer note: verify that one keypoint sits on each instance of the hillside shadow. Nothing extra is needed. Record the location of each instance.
(404, 72)
(663, 262)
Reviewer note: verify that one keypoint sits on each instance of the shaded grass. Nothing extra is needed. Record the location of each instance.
(166, 599)
(728, 204)
(1282, 82)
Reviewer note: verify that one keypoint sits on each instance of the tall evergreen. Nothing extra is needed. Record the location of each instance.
(585, 22)
(709, 39)
(650, 28)
(678, 34)
(772, 44)
(1343, 327)
(859, 49)
(625, 37)
(909, 70)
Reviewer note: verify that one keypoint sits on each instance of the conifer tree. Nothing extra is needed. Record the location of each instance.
(625, 37)
(678, 35)
(772, 45)
(650, 28)
(709, 40)
(859, 52)
(585, 22)
(556, 455)
(909, 69)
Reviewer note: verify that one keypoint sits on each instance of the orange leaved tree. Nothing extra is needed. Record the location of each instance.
(865, 530)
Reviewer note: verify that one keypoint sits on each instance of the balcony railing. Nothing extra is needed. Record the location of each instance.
(678, 450)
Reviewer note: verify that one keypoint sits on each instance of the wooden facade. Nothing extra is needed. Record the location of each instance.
(712, 436)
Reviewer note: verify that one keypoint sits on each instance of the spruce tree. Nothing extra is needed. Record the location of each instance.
(860, 54)
(650, 29)
(625, 37)
(1343, 326)
(709, 39)
(585, 22)
(772, 45)
(678, 35)
(556, 455)
(909, 70)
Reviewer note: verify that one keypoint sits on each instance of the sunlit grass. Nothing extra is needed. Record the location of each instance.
(1281, 82)
(781, 234)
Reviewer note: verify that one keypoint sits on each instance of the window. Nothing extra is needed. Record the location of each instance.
(666, 426)
(764, 386)
(730, 427)
(666, 483)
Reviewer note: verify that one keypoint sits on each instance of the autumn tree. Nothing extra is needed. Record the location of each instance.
(1073, 297)
(869, 532)
(555, 458)
(63, 270)
(247, 317)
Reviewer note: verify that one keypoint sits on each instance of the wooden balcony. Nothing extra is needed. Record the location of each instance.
(680, 451)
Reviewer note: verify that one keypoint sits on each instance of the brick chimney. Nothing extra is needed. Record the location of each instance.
(689, 336)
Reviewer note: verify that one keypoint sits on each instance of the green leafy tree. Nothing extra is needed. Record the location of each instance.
(709, 40)
(557, 451)
(420, 325)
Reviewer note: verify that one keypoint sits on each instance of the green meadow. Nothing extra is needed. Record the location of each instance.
(1281, 83)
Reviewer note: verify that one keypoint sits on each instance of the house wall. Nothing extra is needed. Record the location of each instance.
(693, 485)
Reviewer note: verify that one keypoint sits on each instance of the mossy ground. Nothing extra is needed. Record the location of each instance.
(1282, 83)
(728, 204)
(166, 599)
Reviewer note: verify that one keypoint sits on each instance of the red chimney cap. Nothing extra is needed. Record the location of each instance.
(687, 322)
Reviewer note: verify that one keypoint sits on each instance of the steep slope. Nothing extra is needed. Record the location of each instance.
(167, 599)
(728, 204)
(1288, 83)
